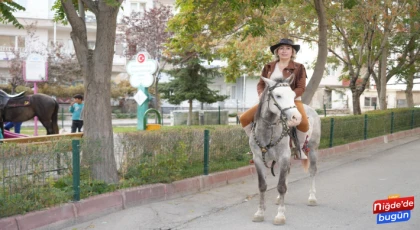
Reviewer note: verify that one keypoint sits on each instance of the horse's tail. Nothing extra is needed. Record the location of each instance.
(305, 164)
(54, 118)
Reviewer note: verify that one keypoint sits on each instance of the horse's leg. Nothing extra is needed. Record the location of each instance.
(48, 126)
(287, 182)
(262, 185)
(312, 171)
(284, 165)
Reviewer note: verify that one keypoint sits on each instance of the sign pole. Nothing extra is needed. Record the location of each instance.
(35, 118)
(141, 109)
(141, 70)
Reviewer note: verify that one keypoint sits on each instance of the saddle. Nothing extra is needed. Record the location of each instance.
(5, 97)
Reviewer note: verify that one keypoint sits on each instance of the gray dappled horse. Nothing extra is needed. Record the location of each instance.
(269, 141)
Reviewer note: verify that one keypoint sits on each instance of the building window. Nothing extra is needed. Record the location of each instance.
(119, 49)
(7, 41)
(370, 101)
(232, 92)
(91, 45)
(138, 6)
(401, 103)
(4, 80)
(21, 42)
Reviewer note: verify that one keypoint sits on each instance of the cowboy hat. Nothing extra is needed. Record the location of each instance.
(285, 41)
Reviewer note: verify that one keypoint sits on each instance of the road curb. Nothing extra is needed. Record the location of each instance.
(92, 207)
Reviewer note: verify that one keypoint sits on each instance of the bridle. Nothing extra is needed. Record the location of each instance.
(283, 121)
(270, 96)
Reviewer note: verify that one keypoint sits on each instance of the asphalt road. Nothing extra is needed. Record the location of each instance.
(347, 186)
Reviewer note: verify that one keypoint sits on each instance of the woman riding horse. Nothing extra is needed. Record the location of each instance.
(282, 68)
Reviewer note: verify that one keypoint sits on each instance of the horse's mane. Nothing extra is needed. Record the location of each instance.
(264, 96)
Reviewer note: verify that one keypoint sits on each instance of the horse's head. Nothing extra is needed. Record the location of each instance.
(281, 99)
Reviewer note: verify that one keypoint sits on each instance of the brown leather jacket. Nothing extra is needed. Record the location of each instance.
(298, 85)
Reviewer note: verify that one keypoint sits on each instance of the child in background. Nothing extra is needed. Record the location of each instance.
(76, 108)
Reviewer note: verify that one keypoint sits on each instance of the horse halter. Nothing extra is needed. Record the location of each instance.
(270, 90)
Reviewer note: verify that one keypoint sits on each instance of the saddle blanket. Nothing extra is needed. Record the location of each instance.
(19, 102)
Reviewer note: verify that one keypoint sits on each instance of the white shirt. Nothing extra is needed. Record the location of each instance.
(277, 74)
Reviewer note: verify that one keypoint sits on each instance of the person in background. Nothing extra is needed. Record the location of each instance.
(76, 108)
(10, 125)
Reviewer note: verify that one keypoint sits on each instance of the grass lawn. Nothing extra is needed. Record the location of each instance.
(30, 130)
(41, 130)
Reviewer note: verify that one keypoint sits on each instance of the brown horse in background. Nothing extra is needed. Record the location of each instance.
(20, 108)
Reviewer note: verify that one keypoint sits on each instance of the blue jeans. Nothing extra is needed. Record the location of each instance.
(10, 125)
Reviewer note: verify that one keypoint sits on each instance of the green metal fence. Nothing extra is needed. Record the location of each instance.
(342, 130)
(28, 176)
(33, 177)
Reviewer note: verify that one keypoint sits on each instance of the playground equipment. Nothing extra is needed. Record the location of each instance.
(152, 126)
(8, 134)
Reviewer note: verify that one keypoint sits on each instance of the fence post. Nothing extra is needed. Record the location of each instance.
(219, 114)
(412, 119)
(392, 122)
(206, 152)
(62, 118)
(75, 146)
(365, 127)
(325, 110)
(161, 112)
(331, 132)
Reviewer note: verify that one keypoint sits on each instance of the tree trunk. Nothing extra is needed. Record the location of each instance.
(383, 81)
(322, 53)
(96, 68)
(189, 121)
(409, 90)
(98, 95)
(356, 103)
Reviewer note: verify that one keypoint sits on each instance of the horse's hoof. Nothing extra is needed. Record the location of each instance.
(312, 202)
(279, 220)
(258, 218)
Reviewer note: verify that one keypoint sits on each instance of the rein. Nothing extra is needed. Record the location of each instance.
(283, 121)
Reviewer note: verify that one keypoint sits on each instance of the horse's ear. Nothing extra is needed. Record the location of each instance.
(268, 82)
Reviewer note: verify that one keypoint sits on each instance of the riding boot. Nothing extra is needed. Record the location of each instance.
(303, 139)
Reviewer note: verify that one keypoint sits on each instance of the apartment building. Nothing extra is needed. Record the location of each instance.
(39, 12)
